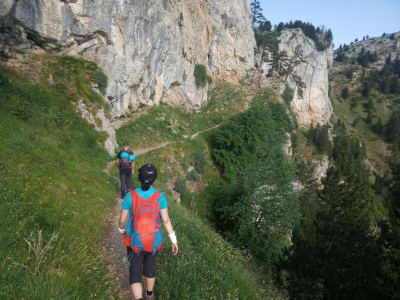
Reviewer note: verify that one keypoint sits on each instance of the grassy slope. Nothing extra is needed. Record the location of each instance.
(213, 268)
(51, 179)
(377, 150)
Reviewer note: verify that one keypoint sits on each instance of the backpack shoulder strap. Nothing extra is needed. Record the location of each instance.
(156, 195)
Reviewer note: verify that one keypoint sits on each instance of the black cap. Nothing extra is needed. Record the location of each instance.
(147, 174)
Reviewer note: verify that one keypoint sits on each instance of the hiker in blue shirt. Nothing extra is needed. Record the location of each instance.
(126, 163)
(143, 211)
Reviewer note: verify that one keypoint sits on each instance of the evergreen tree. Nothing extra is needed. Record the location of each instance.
(392, 128)
(369, 117)
(257, 14)
(378, 127)
(339, 238)
(345, 93)
(394, 85)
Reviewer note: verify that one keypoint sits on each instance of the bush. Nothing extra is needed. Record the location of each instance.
(193, 175)
(200, 161)
(257, 209)
(200, 75)
(345, 93)
(288, 93)
(102, 81)
(180, 186)
(320, 138)
(348, 73)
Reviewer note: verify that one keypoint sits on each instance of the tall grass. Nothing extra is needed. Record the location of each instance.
(51, 181)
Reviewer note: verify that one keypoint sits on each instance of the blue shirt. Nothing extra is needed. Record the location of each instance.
(127, 204)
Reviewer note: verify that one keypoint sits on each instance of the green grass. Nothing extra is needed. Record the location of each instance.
(51, 179)
(165, 123)
(207, 267)
(377, 148)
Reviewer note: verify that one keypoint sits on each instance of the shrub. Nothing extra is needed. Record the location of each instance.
(200, 75)
(200, 161)
(102, 81)
(345, 93)
(180, 186)
(257, 208)
(193, 175)
(288, 93)
(320, 138)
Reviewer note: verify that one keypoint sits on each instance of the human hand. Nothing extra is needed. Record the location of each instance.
(175, 249)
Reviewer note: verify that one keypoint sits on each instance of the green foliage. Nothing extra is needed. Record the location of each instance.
(338, 235)
(51, 179)
(370, 117)
(193, 175)
(345, 93)
(200, 161)
(180, 186)
(348, 73)
(200, 75)
(212, 268)
(152, 95)
(392, 128)
(102, 81)
(322, 38)
(288, 93)
(256, 13)
(73, 76)
(258, 207)
(364, 58)
(320, 137)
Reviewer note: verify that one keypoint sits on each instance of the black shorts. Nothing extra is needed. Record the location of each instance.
(141, 264)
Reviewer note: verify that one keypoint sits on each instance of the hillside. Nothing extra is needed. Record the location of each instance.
(364, 93)
(53, 182)
(281, 164)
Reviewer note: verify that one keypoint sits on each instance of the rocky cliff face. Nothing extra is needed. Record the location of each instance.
(147, 48)
(314, 107)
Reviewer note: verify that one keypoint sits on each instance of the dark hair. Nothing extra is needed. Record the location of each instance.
(147, 175)
(125, 144)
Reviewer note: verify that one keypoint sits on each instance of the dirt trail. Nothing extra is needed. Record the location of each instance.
(113, 248)
(204, 130)
(115, 252)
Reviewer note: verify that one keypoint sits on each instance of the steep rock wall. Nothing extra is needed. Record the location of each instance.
(315, 106)
(147, 48)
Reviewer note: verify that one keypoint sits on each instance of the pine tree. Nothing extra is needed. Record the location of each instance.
(345, 93)
(369, 117)
(257, 14)
(325, 259)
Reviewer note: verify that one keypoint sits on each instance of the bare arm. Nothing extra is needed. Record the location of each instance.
(168, 226)
(123, 218)
(132, 166)
(117, 162)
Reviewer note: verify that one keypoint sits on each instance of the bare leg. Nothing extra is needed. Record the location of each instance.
(137, 290)
(150, 283)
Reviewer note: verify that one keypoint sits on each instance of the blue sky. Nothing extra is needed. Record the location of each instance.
(348, 19)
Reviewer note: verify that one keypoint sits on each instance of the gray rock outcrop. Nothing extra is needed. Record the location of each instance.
(315, 106)
(147, 48)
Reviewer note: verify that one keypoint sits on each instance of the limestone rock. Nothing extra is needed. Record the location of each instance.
(315, 106)
(320, 168)
(147, 48)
